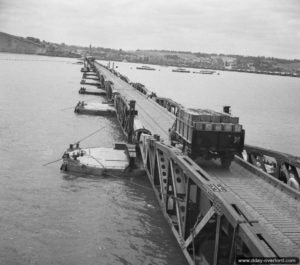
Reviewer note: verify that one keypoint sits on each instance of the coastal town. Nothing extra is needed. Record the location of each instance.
(224, 62)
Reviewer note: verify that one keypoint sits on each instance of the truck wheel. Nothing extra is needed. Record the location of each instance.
(226, 162)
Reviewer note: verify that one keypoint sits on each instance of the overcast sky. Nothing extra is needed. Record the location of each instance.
(246, 27)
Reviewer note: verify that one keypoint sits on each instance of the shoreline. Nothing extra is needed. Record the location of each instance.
(188, 67)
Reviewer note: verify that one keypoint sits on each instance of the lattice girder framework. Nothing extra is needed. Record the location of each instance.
(201, 211)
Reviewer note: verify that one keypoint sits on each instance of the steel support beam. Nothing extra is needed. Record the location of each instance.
(199, 226)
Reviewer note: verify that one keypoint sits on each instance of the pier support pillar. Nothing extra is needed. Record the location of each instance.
(131, 120)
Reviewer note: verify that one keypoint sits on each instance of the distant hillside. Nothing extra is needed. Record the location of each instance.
(14, 44)
(31, 45)
(225, 62)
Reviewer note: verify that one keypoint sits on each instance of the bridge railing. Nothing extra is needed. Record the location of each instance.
(205, 218)
(282, 166)
(169, 104)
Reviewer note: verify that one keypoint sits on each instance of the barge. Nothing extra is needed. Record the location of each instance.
(145, 67)
(98, 161)
(94, 108)
(181, 70)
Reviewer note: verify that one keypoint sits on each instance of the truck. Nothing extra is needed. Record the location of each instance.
(208, 134)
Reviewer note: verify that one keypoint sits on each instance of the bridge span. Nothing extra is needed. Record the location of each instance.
(216, 215)
(152, 115)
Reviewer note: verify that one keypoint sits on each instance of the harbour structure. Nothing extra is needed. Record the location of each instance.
(216, 215)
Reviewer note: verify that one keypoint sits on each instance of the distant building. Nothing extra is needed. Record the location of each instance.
(229, 62)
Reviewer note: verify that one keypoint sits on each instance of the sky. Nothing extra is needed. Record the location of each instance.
(247, 27)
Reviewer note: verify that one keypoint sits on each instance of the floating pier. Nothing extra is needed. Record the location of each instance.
(94, 108)
(84, 69)
(92, 91)
(91, 78)
(216, 215)
(97, 84)
(98, 160)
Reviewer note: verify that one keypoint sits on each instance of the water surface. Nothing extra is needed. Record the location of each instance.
(49, 217)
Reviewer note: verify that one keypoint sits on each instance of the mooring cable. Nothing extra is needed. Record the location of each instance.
(97, 161)
(88, 100)
(84, 138)
(52, 162)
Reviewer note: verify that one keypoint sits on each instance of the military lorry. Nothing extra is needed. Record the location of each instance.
(208, 134)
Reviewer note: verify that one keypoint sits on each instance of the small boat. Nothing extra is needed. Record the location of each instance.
(181, 70)
(145, 67)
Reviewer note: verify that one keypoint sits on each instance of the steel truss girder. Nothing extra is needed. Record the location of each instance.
(125, 113)
(286, 163)
(199, 226)
(109, 90)
(171, 165)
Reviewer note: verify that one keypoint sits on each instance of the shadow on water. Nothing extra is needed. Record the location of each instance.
(137, 178)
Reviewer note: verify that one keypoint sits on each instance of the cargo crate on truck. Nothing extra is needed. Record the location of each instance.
(208, 134)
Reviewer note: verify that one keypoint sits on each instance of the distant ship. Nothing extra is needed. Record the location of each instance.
(205, 72)
(145, 67)
(181, 70)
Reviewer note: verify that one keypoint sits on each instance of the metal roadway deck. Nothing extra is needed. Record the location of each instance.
(153, 116)
(266, 200)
